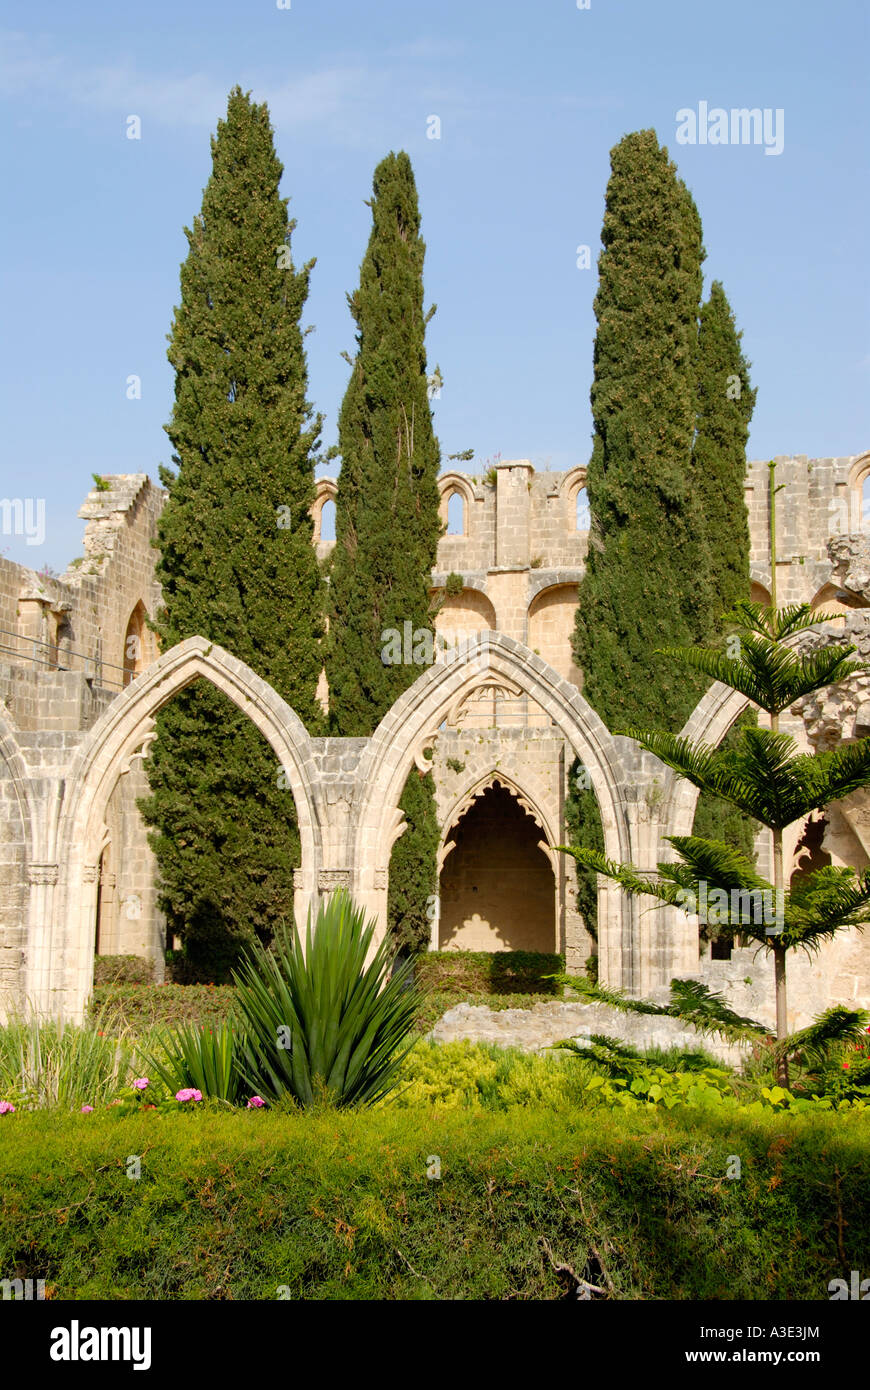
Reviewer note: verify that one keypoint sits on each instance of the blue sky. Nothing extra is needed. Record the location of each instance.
(531, 98)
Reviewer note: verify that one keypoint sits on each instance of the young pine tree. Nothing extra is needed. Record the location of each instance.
(766, 778)
(237, 563)
(387, 522)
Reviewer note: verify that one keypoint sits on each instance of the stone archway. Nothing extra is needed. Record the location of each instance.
(60, 965)
(491, 663)
(497, 886)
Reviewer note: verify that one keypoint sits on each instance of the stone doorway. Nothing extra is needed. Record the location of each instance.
(498, 889)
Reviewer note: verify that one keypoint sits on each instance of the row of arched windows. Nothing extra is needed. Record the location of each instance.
(456, 513)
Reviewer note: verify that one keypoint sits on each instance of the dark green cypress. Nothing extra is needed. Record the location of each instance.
(647, 581)
(237, 563)
(387, 523)
(725, 401)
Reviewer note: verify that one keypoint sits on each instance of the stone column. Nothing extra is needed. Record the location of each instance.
(42, 879)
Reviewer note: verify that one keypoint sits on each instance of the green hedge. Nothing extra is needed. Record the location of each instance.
(339, 1206)
(503, 979)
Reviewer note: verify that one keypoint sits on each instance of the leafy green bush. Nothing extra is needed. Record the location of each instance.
(320, 1023)
(489, 972)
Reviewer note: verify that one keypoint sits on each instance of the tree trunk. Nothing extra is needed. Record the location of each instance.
(779, 964)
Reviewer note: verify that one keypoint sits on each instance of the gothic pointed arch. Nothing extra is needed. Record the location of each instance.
(122, 733)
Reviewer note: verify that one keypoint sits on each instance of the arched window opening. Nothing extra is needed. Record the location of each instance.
(456, 515)
(865, 504)
(134, 644)
(327, 520)
(584, 517)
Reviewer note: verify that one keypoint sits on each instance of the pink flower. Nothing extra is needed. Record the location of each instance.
(6, 1108)
(255, 1102)
(87, 1110)
(188, 1094)
(140, 1083)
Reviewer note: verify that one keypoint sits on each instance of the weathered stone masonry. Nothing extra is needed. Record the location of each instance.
(503, 719)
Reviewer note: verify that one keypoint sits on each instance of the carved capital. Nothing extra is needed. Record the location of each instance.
(381, 878)
(328, 879)
(42, 873)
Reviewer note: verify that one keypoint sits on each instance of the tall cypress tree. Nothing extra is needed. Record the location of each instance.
(725, 401)
(387, 524)
(237, 562)
(647, 581)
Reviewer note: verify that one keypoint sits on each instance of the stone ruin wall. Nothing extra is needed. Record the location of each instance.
(521, 556)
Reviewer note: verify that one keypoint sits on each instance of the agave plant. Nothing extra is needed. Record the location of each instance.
(205, 1059)
(320, 1022)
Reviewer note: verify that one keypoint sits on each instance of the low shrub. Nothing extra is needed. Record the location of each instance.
(123, 970)
(139, 1009)
(484, 972)
(430, 1203)
(466, 1075)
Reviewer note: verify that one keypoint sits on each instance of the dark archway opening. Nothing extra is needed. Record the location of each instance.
(498, 891)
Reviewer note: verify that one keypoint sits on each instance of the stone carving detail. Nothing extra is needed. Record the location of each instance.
(427, 740)
(91, 873)
(381, 878)
(42, 873)
(838, 712)
(328, 879)
(298, 879)
(142, 751)
(500, 689)
(850, 557)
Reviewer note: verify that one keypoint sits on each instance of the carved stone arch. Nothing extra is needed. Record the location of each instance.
(21, 865)
(13, 761)
(61, 966)
(530, 799)
(709, 722)
(573, 482)
(456, 485)
(491, 659)
(550, 622)
(759, 587)
(477, 581)
(456, 482)
(832, 598)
